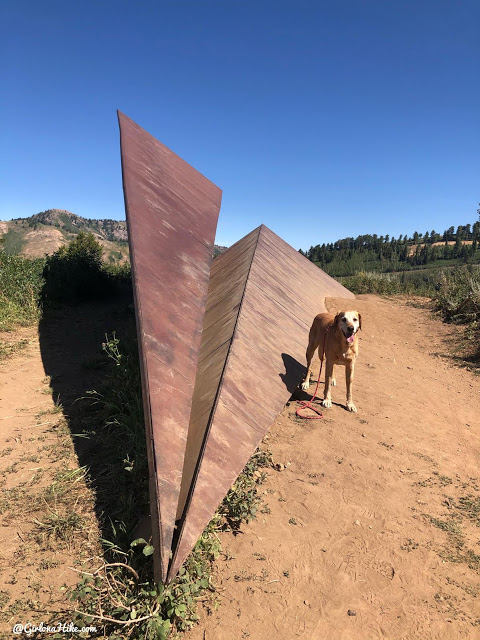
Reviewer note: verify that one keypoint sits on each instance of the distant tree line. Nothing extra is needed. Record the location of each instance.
(385, 253)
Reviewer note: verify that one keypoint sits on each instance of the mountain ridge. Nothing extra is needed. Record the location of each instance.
(45, 232)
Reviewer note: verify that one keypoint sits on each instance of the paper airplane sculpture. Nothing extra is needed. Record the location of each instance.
(218, 368)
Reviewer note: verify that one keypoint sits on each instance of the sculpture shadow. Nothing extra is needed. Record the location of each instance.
(71, 338)
(294, 372)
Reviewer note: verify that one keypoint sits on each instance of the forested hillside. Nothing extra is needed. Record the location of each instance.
(384, 253)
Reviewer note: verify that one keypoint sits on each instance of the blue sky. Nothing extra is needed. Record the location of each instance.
(319, 119)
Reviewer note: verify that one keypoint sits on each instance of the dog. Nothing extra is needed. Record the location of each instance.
(337, 336)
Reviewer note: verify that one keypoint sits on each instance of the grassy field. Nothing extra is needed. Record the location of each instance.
(13, 242)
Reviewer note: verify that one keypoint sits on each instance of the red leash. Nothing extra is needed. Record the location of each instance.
(304, 404)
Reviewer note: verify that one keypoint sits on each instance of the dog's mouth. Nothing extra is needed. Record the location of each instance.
(350, 335)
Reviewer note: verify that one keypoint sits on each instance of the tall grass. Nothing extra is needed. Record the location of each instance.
(458, 295)
(458, 300)
(21, 282)
(414, 282)
(73, 273)
(455, 293)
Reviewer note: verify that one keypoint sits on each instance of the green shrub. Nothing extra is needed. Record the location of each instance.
(76, 272)
(120, 272)
(458, 295)
(458, 300)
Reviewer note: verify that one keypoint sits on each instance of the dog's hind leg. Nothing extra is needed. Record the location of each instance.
(309, 355)
(321, 355)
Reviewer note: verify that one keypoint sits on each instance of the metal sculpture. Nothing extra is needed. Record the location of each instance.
(262, 297)
(172, 212)
(248, 338)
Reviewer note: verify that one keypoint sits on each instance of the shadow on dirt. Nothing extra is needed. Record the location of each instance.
(71, 339)
(294, 372)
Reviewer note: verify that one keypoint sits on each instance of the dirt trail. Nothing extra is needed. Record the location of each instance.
(47, 514)
(376, 513)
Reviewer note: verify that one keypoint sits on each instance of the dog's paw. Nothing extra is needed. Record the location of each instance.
(327, 403)
(305, 384)
(333, 382)
(351, 407)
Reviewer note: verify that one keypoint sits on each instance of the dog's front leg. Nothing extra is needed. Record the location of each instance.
(309, 355)
(349, 371)
(327, 401)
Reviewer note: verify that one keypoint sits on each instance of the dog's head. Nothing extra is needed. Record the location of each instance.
(348, 322)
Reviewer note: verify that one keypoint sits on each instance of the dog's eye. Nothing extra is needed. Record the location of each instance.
(355, 319)
(344, 319)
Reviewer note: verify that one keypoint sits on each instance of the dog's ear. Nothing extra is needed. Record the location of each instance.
(336, 322)
(359, 320)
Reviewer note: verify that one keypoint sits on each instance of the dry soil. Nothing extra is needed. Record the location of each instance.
(370, 530)
(373, 529)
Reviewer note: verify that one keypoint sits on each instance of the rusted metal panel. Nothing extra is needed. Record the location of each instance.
(172, 212)
(270, 294)
(228, 279)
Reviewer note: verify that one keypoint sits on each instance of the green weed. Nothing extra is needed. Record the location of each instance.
(58, 526)
(470, 507)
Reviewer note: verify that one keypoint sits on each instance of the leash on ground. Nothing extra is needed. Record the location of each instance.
(308, 404)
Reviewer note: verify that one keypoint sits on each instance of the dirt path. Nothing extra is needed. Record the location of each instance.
(376, 513)
(46, 510)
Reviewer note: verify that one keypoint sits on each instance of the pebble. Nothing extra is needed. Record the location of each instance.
(351, 612)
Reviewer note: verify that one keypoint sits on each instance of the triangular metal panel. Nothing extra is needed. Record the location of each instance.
(271, 307)
(172, 212)
(228, 278)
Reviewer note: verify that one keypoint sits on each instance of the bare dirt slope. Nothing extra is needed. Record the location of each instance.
(376, 513)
